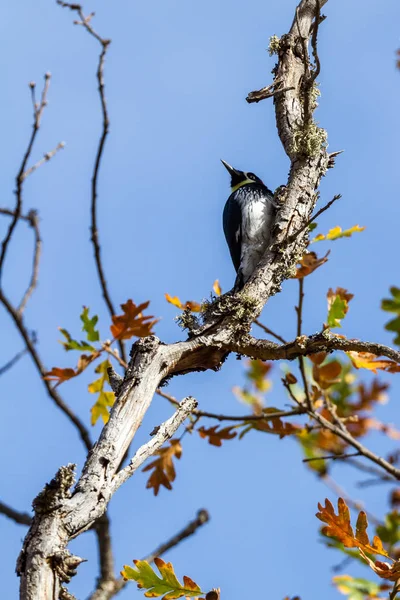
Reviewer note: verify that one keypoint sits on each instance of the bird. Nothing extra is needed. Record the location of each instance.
(248, 218)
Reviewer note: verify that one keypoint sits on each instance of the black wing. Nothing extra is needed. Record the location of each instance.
(232, 221)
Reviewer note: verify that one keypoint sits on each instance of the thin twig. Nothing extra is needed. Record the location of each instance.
(299, 310)
(85, 22)
(314, 42)
(46, 157)
(240, 418)
(34, 223)
(52, 392)
(269, 331)
(22, 518)
(13, 361)
(38, 111)
(295, 235)
(331, 457)
(266, 92)
(115, 355)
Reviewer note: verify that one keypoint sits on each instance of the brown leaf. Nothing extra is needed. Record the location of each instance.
(276, 426)
(190, 304)
(309, 263)
(132, 322)
(339, 527)
(327, 375)
(383, 569)
(342, 293)
(60, 375)
(318, 358)
(216, 436)
(164, 470)
(369, 396)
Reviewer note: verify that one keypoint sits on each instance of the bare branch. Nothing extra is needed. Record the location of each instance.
(34, 223)
(38, 111)
(85, 22)
(269, 331)
(46, 157)
(163, 433)
(266, 92)
(22, 518)
(8, 365)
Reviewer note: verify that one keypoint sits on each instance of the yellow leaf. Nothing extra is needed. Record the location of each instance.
(190, 304)
(367, 360)
(337, 232)
(217, 287)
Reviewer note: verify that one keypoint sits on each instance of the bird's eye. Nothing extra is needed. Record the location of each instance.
(251, 176)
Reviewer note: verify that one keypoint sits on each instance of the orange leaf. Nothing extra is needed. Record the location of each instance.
(216, 436)
(339, 527)
(60, 375)
(367, 360)
(275, 426)
(327, 375)
(132, 322)
(383, 569)
(189, 305)
(309, 263)
(217, 288)
(164, 470)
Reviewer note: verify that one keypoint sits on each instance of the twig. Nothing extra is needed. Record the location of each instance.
(269, 331)
(38, 111)
(266, 92)
(115, 355)
(52, 392)
(13, 361)
(314, 42)
(46, 157)
(331, 457)
(34, 223)
(201, 519)
(241, 418)
(85, 22)
(21, 518)
(164, 432)
(295, 235)
(299, 310)
(106, 557)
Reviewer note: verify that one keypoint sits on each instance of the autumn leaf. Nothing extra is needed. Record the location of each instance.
(328, 374)
(338, 306)
(309, 263)
(167, 585)
(216, 436)
(393, 305)
(337, 232)
(217, 288)
(257, 374)
(274, 425)
(164, 470)
(339, 527)
(105, 399)
(60, 375)
(357, 588)
(132, 322)
(383, 569)
(367, 360)
(368, 396)
(189, 305)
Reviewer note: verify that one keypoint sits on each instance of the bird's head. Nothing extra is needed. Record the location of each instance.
(240, 178)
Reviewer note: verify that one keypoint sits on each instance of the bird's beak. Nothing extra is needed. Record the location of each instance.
(230, 169)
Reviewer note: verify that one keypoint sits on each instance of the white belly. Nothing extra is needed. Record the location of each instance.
(257, 218)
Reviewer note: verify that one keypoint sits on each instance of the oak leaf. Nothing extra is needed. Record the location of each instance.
(132, 322)
(167, 585)
(217, 288)
(216, 436)
(328, 374)
(383, 569)
(105, 399)
(309, 263)
(339, 527)
(188, 305)
(60, 375)
(337, 232)
(338, 306)
(257, 373)
(367, 360)
(164, 470)
(275, 426)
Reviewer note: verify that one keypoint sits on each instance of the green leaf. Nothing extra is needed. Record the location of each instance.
(389, 532)
(72, 344)
(356, 588)
(393, 305)
(337, 312)
(89, 325)
(312, 226)
(167, 586)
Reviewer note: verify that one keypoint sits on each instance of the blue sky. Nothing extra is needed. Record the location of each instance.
(177, 74)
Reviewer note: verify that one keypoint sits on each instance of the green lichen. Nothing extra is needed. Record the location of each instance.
(310, 140)
(274, 45)
(187, 320)
(315, 93)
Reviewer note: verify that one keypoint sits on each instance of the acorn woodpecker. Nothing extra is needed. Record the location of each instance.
(248, 217)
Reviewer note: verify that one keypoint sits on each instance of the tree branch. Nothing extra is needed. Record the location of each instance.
(22, 518)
